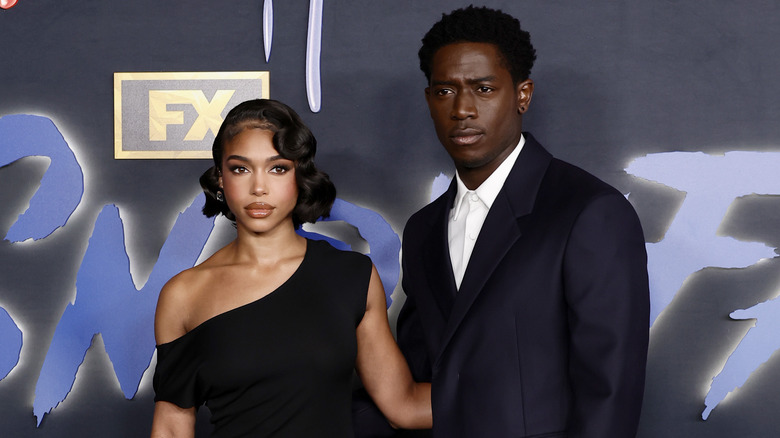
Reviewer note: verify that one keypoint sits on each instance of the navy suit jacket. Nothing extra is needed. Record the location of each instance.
(547, 336)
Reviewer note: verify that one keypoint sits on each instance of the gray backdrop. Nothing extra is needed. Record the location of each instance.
(615, 82)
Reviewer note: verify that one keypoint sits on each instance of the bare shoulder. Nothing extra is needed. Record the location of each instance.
(175, 304)
(184, 286)
(175, 291)
(185, 298)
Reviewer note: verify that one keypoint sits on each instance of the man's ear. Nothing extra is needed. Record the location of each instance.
(525, 90)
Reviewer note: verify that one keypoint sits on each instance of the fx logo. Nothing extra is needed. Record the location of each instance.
(177, 115)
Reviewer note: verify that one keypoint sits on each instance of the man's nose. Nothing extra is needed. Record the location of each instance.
(464, 106)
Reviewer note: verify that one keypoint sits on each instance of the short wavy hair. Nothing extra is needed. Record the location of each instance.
(292, 139)
(481, 25)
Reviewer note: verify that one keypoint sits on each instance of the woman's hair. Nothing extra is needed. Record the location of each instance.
(292, 139)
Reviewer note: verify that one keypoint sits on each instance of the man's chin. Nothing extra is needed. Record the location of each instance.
(470, 163)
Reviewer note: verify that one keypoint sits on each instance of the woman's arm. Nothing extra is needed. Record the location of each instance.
(171, 421)
(383, 369)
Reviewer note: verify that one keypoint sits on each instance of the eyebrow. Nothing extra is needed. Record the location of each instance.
(245, 159)
(468, 81)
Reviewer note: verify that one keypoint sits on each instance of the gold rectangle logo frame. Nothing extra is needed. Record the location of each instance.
(119, 77)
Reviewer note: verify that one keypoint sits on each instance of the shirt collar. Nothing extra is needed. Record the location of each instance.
(488, 190)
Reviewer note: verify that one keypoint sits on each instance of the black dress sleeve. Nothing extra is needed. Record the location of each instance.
(176, 374)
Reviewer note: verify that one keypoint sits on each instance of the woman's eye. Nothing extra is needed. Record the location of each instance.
(238, 169)
(280, 169)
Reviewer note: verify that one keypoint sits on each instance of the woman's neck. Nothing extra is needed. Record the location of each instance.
(269, 247)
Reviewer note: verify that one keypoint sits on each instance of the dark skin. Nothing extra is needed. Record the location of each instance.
(476, 107)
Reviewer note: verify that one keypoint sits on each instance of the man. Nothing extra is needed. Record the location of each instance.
(527, 298)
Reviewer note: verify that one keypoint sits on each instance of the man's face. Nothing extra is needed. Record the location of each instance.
(475, 107)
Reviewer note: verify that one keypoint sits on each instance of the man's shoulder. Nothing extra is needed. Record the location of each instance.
(564, 176)
(569, 188)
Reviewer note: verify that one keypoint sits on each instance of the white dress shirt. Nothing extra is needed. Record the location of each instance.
(469, 211)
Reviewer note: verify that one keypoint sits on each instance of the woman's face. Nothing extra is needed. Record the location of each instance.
(259, 185)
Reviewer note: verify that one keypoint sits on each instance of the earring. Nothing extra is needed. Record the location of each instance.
(220, 197)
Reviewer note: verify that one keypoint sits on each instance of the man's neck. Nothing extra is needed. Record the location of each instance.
(474, 178)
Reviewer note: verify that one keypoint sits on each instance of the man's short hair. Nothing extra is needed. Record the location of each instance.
(481, 25)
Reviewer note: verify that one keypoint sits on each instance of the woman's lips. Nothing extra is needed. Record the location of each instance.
(259, 209)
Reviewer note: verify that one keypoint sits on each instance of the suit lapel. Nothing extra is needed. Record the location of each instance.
(501, 230)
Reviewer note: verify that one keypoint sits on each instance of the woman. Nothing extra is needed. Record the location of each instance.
(268, 330)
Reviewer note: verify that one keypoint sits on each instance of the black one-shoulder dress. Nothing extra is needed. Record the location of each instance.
(280, 366)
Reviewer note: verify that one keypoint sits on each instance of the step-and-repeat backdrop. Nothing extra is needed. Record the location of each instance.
(107, 110)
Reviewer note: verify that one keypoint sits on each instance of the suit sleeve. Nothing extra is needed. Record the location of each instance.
(606, 287)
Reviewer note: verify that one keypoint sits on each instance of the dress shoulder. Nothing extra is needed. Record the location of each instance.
(328, 260)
